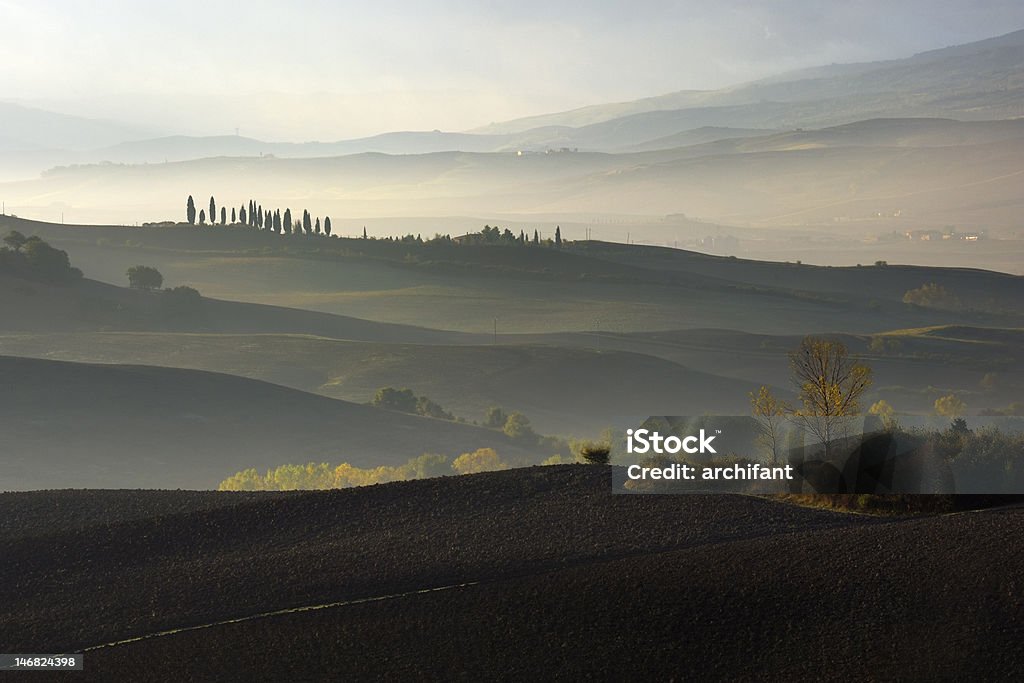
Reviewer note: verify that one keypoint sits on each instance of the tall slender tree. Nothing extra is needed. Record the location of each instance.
(233, 216)
(202, 217)
(259, 216)
(223, 216)
(536, 237)
(327, 226)
(190, 211)
(829, 384)
(287, 221)
(242, 216)
(277, 220)
(558, 236)
(316, 226)
(364, 232)
(213, 211)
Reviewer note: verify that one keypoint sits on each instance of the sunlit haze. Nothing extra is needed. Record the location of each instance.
(317, 70)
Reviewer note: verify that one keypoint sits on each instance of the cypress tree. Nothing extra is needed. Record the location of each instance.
(316, 228)
(536, 237)
(213, 211)
(202, 217)
(233, 217)
(287, 221)
(190, 211)
(558, 236)
(327, 226)
(242, 215)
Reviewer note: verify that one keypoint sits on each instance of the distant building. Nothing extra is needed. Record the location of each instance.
(718, 243)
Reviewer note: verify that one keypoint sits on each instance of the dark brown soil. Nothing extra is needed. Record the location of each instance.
(569, 581)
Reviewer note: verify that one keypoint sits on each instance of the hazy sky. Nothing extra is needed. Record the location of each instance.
(322, 70)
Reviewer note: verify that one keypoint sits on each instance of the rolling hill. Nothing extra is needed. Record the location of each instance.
(30, 128)
(979, 80)
(574, 383)
(562, 390)
(435, 579)
(584, 287)
(874, 176)
(89, 305)
(70, 425)
(587, 335)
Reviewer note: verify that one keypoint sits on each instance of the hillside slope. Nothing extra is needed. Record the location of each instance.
(626, 288)
(583, 582)
(562, 390)
(72, 425)
(975, 80)
(282, 552)
(88, 305)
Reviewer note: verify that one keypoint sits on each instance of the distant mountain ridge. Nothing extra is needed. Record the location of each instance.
(975, 81)
(950, 79)
(24, 128)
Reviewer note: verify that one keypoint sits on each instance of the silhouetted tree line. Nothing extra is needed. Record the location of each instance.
(495, 235)
(253, 214)
(34, 259)
(405, 401)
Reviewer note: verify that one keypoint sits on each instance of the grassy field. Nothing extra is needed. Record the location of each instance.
(911, 368)
(571, 383)
(587, 336)
(587, 286)
(562, 390)
(73, 425)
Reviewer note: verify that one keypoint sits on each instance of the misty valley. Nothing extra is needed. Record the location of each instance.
(701, 385)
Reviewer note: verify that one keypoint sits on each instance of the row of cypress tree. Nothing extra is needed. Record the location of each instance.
(255, 216)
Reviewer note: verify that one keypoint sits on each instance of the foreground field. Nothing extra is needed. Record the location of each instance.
(543, 571)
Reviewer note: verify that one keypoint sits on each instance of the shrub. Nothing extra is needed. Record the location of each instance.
(480, 460)
(33, 258)
(144, 277)
(596, 454)
(932, 295)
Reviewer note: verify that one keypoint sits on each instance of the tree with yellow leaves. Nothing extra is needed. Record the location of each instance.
(829, 385)
(480, 460)
(769, 413)
(950, 405)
